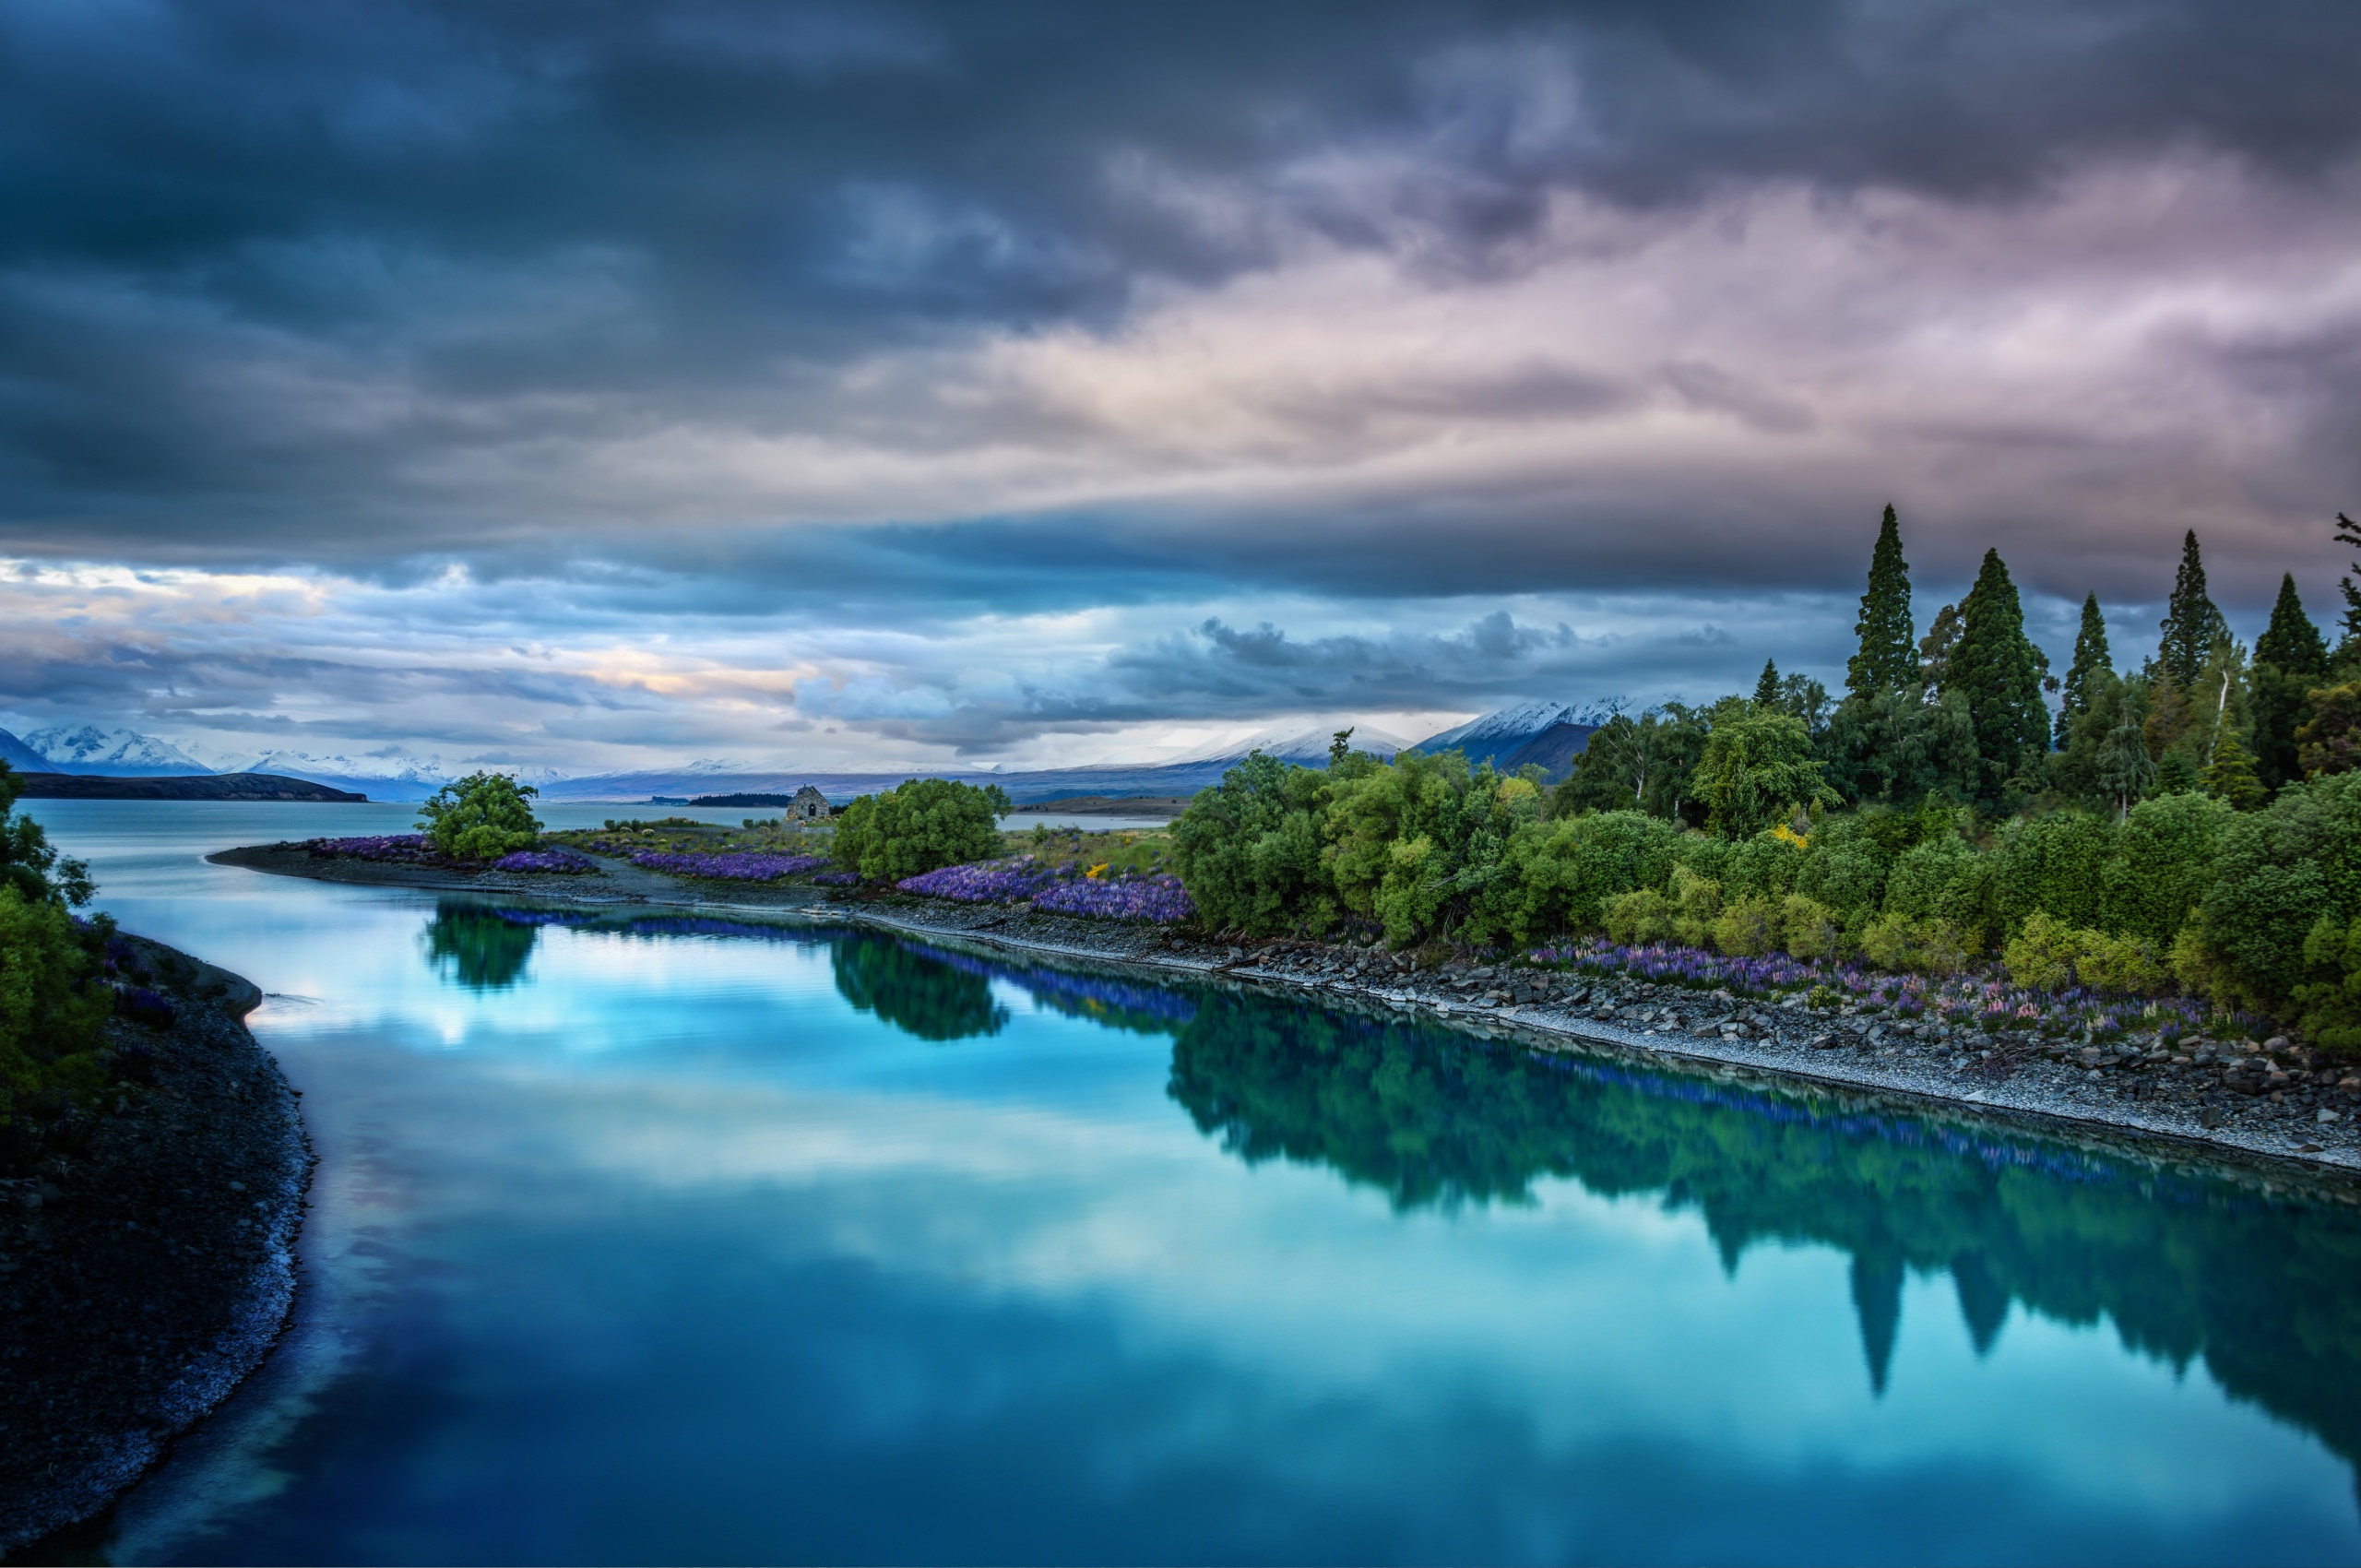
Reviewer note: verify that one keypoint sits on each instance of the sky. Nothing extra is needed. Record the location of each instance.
(597, 384)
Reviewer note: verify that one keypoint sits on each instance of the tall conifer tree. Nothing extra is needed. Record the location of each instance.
(2091, 657)
(2291, 641)
(1766, 688)
(1999, 673)
(2348, 646)
(1889, 656)
(2290, 660)
(2190, 620)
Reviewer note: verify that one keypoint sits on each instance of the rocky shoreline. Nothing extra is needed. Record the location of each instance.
(146, 1274)
(2248, 1101)
(2253, 1102)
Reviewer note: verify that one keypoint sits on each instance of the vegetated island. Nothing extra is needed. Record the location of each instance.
(1165, 806)
(193, 786)
(152, 1173)
(926, 858)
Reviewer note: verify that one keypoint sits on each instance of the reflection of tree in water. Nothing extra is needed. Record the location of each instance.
(921, 994)
(2268, 1291)
(482, 949)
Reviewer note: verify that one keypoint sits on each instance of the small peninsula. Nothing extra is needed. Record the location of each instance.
(191, 787)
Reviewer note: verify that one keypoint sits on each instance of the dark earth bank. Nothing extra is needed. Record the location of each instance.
(147, 1267)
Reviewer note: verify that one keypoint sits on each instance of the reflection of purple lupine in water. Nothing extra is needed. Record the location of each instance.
(1970, 1000)
(561, 862)
(836, 879)
(1087, 995)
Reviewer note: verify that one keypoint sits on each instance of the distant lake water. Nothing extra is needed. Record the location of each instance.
(659, 1238)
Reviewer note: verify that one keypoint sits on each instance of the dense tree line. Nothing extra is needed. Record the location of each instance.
(2193, 823)
(53, 1001)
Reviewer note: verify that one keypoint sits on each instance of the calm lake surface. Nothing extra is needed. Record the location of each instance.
(652, 1238)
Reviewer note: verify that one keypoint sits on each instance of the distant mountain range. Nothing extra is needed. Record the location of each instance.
(22, 757)
(112, 753)
(1549, 733)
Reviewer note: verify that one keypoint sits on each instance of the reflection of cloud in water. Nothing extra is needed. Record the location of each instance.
(1591, 1318)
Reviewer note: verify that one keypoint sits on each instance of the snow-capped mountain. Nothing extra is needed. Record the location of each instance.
(22, 757)
(1549, 733)
(391, 774)
(1307, 748)
(114, 754)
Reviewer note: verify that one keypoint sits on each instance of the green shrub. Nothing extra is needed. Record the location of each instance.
(2163, 866)
(1847, 866)
(920, 824)
(1758, 766)
(49, 1013)
(1810, 929)
(481, 818)
(2052, 955)
(1748, 927)
(2054, 864)
(1249, 850)
(1641, 916)
(1697, 902)
(1420, 842)
(1945, 879)
(1562, 875)
(2278, 873)
(1897, 942)
(1765, 864)
(52, 1006)
(2331, 999)
(28, 861)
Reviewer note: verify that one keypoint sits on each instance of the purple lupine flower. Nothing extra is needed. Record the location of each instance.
(563, 863)
(741, 865)
(1159, 900)
(984, 882)
(143, 1006)
(394, 847)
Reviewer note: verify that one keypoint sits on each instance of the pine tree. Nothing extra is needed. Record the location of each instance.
(1766, 688)
(1935, 648)
(1888, 658)
(2290, 660)
(2090, 657)
(2230, 777)
(2124, 771)
(2291, 641)
(2190, 620)
(2000, 672)
(2348, 646)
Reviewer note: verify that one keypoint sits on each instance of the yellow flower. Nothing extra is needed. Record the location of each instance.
(1786, 835)
(1094, 871)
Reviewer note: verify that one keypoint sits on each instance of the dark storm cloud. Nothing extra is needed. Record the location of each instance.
(282, 281)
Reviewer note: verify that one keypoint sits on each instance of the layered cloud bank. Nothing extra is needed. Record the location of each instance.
(895, 384)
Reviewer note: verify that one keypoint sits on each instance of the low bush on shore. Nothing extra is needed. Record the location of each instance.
(920, 825)
(481, 818)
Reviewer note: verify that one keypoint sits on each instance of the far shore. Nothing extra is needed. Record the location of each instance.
(1549, 1010)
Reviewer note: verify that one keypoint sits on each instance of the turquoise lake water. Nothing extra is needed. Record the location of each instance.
(651, 1237)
